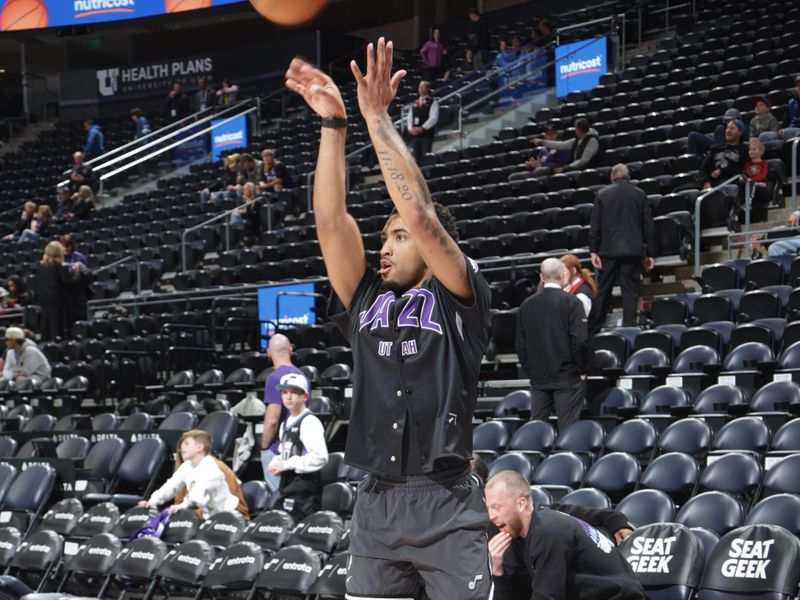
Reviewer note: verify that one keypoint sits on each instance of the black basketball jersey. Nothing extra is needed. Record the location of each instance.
(417, 360)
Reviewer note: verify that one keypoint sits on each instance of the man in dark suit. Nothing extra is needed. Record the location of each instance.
(622, 239)
(551, 345)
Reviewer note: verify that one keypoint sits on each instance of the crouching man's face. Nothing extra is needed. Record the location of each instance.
(506, 511)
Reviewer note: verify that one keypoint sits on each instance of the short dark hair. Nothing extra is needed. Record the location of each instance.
(582, 125)
(246, 157)
(445, 217)
(136, 112)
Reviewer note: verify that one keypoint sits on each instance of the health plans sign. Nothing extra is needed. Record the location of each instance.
(579, 65)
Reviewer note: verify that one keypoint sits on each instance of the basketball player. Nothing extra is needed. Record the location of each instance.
(418, 330)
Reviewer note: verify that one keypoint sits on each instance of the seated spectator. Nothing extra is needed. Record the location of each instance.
(578, 281)
(65, 205)
(40, 227)
(250, 169)
(198, 473)
(25, 220)
(433, 55)
(227, 94)
(274, 173)
(699, 144)
(52, 284)
(792, 126)
(764, 122)
(23, 357)
(465, 65)
(81, 173)
(787, 246)
(16, 295)
(84, 202)
(242, 217)
(227, 181)
(545, 160)
(71, 255)
(725, 160)
(302, 451)
(585, 146)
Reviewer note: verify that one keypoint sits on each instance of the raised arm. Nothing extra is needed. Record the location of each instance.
(337, 231)
(407, 188)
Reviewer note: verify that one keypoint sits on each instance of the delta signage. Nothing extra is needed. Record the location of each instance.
(35, 14)
(154, 77)
(579, 65)
(228, 134)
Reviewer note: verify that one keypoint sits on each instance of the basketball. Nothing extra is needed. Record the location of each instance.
(23, 14)
(288, 12)
(172, 6)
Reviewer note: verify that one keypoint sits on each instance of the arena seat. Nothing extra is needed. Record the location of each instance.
(62, 517)
(659, 400)
(781, 509)
(320, 531)
(775, 396)
(781, 476)
(535, 439)
(582, 437)
(489, 439)
(235, 569)
(677, 553)
(256, 494)
(636, 437)
(28, 495)
(132, 520)
(182, 527)
(186, 567)
(280, 577)
(136, 565)
(33, 566)
(588, 497)
(330, 582)
(644, 507)
(221, 426)
(561, 472)
(716, 399)
(512, 461)
(735, 473)
(616, 474)
(718, 511)
(100, 518)
(745, 434)
(769, 570)
(87, 570)
(222, 529)
(270, 530)
(674, 473)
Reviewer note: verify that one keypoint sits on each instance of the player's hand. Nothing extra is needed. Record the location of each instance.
(649, 264)
(497, 548)
(378, 86)
(145, 504)
(537, 141)
(596, 262)
(621, 534)
(317, 89)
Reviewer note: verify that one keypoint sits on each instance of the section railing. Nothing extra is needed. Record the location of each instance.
(697, 225)
(795, 142)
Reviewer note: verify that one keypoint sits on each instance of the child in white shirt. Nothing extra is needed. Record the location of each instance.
(207, 488)
(302, 452)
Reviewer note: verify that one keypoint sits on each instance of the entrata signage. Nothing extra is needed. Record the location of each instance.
(232, 134)
(147, 78)
(35, 14)
(579, 65)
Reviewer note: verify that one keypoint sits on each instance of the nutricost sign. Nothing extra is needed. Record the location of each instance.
(579, 65)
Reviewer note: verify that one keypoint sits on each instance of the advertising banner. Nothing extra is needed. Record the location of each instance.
(579, 65)
(34, 14)
(232, 134)
(294, 301)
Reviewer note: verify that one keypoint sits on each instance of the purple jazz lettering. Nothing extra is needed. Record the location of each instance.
(428, 302)
(406, 317)
(378, 313)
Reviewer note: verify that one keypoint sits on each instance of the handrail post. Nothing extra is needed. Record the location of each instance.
(228, 233)
(747, 206)
(795, 142)
(309, 193)
(183, 250)
(702, 196)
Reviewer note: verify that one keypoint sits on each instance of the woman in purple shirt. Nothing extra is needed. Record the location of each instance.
(433, 56)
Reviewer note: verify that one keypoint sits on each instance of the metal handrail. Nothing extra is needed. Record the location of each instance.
(116, 263)
(702, 196)
(221, 215)
(163, 149)
(733, 242)
(795, 142)
(140, 147)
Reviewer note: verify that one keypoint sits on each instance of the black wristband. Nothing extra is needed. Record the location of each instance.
(335, 123)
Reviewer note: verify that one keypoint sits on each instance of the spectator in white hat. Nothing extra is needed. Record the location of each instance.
(302, 452)
(23, 357)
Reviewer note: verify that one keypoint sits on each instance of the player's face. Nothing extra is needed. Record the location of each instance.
(401, 266)
(505, 511)
(292, 398)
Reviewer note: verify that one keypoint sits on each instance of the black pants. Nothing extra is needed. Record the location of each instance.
(628, 270)
(420, 146)
(568, 403)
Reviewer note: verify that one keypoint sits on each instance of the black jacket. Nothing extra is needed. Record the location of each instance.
(622, 222)
(551, 338)
(566, 559)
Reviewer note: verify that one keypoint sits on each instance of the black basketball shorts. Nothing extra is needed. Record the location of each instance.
(422, 531)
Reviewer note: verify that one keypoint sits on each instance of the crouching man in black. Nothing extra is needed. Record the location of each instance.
(544, 554)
